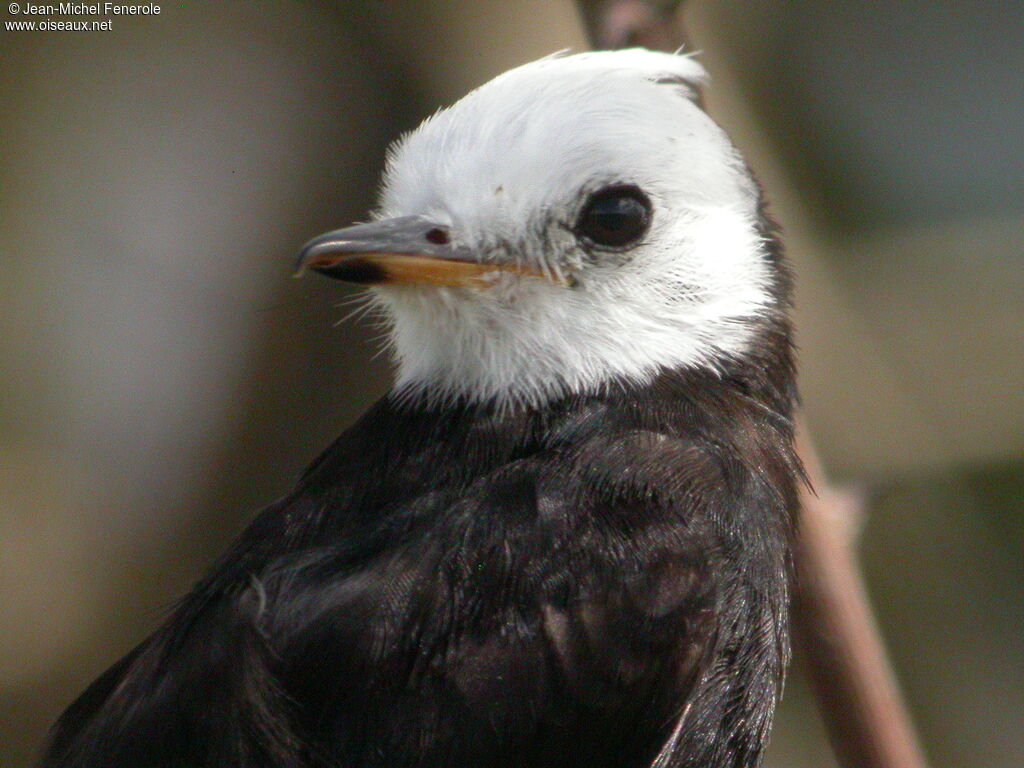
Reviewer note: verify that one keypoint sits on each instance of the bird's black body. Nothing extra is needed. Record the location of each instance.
(457, 587)
(597, 579)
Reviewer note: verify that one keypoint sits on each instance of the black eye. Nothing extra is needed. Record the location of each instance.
(615, 217)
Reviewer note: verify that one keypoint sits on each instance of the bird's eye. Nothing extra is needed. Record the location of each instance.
(615, 217)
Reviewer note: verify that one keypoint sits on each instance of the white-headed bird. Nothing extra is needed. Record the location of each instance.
(563, 538)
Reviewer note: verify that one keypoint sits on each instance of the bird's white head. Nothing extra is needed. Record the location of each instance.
(574, 224)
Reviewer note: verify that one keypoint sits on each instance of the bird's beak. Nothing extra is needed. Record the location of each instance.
(407, 249)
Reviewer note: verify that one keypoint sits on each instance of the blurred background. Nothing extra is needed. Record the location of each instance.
(162, 376)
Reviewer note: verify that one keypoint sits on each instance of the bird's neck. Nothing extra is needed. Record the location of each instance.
(521, 384)
(498, 370)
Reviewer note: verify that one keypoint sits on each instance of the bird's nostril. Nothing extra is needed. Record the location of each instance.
(437, 236)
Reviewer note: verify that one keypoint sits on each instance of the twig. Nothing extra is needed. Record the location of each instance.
(859, 700)
(626, 23)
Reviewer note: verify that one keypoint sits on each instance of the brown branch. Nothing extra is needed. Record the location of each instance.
(859, 700)
(627, 23)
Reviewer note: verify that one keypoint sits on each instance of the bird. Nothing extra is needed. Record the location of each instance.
(564, 536)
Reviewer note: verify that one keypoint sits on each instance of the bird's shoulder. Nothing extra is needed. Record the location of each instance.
(526, 583)
(502, 569)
